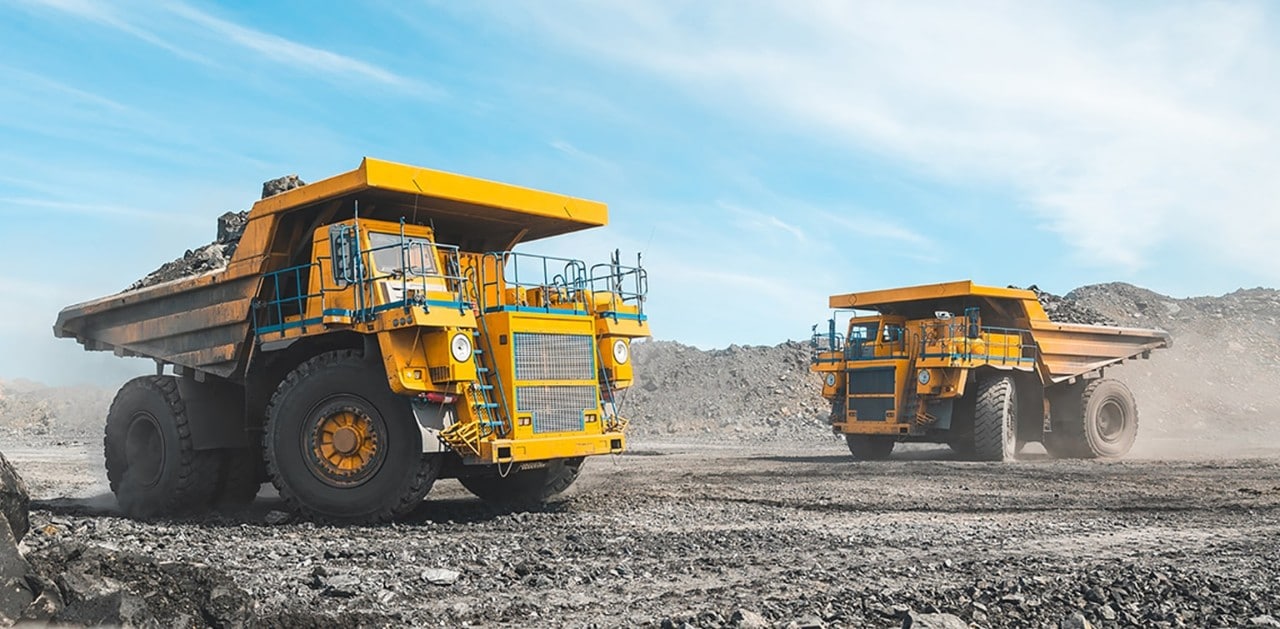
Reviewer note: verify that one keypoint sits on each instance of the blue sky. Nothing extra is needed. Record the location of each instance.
(762, 155)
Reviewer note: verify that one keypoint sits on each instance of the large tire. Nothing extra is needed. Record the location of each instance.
(152, 467)
(995, 419)
(869, 447)
(1101, 423)
(525, 489)
(341, 447)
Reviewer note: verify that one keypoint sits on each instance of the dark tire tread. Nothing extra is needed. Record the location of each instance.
(198, 470)
(995, 401)
(869, 447)
(527, 489)
(424, 475)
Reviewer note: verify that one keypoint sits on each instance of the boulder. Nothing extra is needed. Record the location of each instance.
(15, 593)
(14, 499)
(281, 184)
(915, 620)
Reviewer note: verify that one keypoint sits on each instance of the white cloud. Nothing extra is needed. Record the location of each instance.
(205, 37)
(763, 223)
(99, 210)
(1128, 130)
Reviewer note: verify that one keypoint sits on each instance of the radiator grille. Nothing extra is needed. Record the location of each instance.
(554, 356)
(871, 381)
(556, 409)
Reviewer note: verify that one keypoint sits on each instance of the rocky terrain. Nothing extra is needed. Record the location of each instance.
(788, 535)
(734, 507)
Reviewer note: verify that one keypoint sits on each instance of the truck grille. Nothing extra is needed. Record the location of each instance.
(556, 409)
(871, 381)
(554, 356)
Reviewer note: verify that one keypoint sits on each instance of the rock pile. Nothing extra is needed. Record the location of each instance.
(217, 254)
(747, 393)
(1068, 309)
(68, 582)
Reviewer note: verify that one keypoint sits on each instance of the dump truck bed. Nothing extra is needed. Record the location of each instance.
(1066, 349)
(203, 322)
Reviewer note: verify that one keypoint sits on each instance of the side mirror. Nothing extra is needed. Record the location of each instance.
(344, 251)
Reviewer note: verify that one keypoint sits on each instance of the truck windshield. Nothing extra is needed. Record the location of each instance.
(862, 332)
(417, 259)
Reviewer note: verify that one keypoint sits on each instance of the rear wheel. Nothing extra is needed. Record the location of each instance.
(995, 419)
(151, 464)
(341, 447)
(528, 488)
(1107, 420)
(869, 447)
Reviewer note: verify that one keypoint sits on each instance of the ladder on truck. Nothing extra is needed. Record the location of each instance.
(492, 415)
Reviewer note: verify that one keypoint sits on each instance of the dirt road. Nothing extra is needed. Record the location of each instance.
(797, 533)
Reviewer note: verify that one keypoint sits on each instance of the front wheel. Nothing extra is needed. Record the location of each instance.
(527, 488)
(341, 447)
(995, 419)
(869, 447)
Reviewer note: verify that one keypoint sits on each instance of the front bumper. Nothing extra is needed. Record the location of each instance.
(544, 448)
(874, 428)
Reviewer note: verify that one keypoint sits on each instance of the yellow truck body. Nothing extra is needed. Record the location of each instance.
(504, 362)
(937, 359)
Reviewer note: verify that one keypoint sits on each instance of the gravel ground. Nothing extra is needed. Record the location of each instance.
(678, 534)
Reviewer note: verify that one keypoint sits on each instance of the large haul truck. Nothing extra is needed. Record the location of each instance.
(372, 332)
(982, 369)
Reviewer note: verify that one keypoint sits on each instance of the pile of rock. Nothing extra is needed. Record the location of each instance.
(1068, 309)
(217, 254)
(749, 393)
(73, 583)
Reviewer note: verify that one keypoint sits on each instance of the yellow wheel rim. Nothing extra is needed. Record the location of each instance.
(346, 443)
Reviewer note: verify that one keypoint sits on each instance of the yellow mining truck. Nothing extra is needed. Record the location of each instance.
(372, 332)
(982, 369)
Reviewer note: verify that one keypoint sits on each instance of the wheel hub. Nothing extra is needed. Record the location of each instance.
(345, 445)
(346, 441)
(144, 449)
(1111, 421)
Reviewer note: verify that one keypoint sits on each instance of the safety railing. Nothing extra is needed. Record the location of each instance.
(530, 282)
(626, 287)
(411, 277)
(826, 347)
(283, 304)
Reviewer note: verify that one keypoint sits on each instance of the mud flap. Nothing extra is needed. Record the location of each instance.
(433, 418)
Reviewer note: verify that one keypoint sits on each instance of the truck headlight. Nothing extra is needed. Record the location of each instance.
(621, 353)
(831, 380)
(460, 347)
(923, 377)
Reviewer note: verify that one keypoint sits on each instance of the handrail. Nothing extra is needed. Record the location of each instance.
(270, 316)
(568, 284)
(615, 277)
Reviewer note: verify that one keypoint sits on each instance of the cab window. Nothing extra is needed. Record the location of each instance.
(417, 258)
